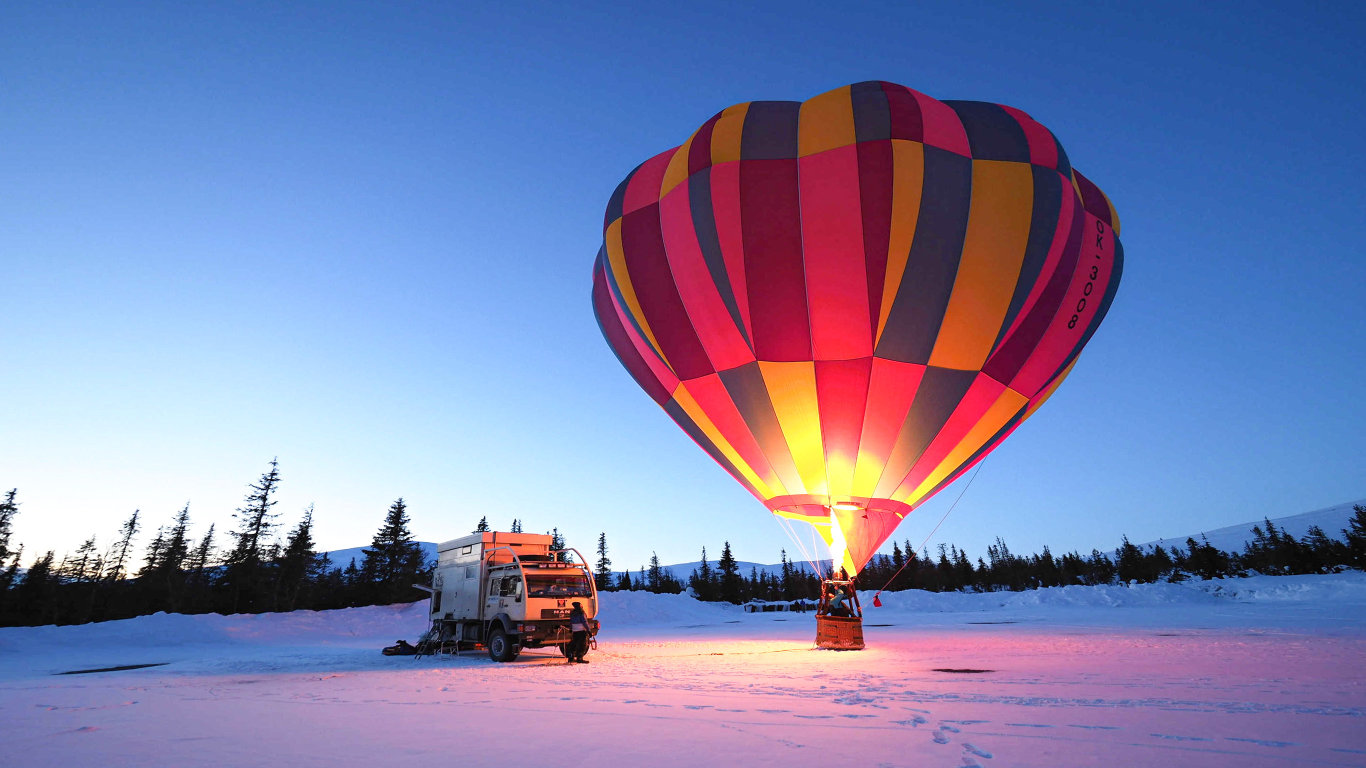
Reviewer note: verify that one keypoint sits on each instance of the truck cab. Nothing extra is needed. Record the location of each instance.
(508, 591)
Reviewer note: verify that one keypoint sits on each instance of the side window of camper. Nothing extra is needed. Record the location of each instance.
(471, 572)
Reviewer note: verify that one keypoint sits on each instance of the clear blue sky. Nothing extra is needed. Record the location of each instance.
(359, 236)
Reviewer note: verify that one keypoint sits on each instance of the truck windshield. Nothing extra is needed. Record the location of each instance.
(556, 585)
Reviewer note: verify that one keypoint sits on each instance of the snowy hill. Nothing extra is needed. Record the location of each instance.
(682, 571)
(1234, 538)
(342, 557)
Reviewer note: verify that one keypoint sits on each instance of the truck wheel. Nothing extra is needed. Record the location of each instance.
(564, 649)
(501, 647)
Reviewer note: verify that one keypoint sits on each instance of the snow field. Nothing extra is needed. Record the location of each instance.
(1253, 672)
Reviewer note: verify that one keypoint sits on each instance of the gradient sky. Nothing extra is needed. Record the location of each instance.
(359, 237)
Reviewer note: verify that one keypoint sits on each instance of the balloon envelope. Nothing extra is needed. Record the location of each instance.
(849, 301)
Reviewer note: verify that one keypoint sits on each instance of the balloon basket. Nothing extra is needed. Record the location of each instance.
(839, 633)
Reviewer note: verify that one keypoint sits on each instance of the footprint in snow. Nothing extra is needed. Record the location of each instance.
(1263, 742)
(978, 751)
(940, 738)
(949, 728)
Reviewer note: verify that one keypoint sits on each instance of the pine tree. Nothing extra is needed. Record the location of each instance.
(516, 525)
(8, 509)
(624, 582)
(785, 585)
(1355, 533)
(8, 576)
(1129, 562)
(653, 579)
(702, 580)
(394, 561)
(298, 566)
(730, 582)
(118, 554)
(197, 568)
(602, 572)
(483, 525)
(246, 563)
(557, 545)
(152, 559)
(162, 579)
(34, 595)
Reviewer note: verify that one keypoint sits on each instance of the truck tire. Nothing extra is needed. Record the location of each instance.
(501, 647)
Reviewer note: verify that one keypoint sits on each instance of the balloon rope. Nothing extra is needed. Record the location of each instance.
(807, 554)
(910, 556)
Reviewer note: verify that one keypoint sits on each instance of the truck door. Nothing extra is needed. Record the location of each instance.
(496, 602)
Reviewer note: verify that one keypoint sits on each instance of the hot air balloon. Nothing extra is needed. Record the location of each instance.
(850, 301)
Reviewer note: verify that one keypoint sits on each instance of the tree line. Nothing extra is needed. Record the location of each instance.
(1271, 551)
(251, 570)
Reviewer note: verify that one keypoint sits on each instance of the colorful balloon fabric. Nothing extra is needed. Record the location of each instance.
(849, 301)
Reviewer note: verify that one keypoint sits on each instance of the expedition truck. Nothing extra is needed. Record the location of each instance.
(508, 591)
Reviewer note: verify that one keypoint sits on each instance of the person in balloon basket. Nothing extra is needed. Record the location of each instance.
(839, 605)
(578, 645)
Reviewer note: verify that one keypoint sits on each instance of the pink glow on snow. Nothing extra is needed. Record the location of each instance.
(1255, 672)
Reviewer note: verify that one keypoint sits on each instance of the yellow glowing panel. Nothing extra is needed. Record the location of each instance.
(792, 389)
(689, 405)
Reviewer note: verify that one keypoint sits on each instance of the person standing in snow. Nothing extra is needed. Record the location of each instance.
(578, 624)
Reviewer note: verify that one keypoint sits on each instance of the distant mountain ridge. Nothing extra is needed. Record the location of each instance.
(1234, 538)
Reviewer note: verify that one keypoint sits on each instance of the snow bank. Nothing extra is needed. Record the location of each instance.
(1344, 589)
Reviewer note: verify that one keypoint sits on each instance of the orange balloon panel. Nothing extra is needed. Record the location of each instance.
(849, 301)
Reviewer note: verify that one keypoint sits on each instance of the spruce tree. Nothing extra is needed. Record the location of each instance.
(198, 570)
(602, 572)
(118, 554)
(483, 525)
(730, 582)
(245, 573)
(703, 581)
(33, 597)
(1355, 533)
(299, 566)
(653, 578)
(516, 525)
(393, 561)
(8, 509)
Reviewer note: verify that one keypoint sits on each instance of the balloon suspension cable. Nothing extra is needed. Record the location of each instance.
(808, 554)
(910, 556)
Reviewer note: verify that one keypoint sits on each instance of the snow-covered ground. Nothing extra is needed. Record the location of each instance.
(1267, 671)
